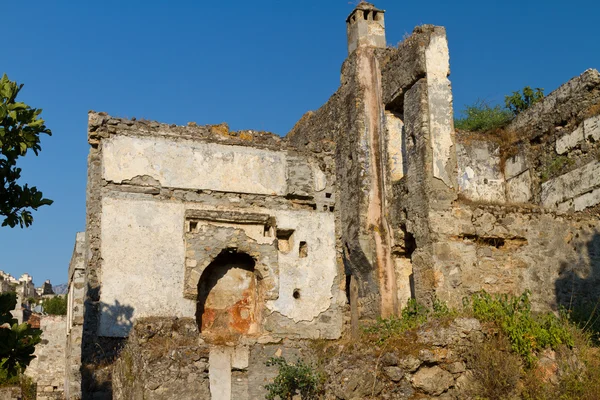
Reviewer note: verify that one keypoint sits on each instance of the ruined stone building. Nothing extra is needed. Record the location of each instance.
(243, 240)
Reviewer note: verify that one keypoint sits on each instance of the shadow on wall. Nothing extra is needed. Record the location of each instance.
(99, 352)
(578, 285)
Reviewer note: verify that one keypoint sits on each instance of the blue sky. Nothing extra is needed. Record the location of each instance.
(254, 65)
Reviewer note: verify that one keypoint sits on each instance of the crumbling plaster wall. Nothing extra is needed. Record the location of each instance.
(142, 229)
(143, 237)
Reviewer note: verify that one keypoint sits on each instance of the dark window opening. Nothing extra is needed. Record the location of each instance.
(296, 294)
(327, 195)
(285, 240)
(303, 250)
(331, 208)
(193, 226)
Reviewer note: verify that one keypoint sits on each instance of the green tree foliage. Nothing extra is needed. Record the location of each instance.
(293, 379)
(482, 117)
(521, 101)
(56, 305)
(20, 130)
(17, 342)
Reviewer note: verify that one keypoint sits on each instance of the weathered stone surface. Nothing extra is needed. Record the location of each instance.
(514, 166)
(49, 364)
(163, 360)
(569, 140)
(572, 98)
(396, 374)
(591, 129)
(518, 188)
(571, 184)
(433, 380)
(479, 173)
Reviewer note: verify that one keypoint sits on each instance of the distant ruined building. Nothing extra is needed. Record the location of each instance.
(237, 246)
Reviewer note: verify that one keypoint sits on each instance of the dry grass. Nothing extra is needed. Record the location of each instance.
(496, 369)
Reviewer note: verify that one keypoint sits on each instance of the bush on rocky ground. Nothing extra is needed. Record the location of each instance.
(496, 347)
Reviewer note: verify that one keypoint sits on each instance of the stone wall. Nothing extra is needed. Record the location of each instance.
(48, 368)
(547, 156)
(165, 202)
(237, 246)
(165, 359)
(75, 314)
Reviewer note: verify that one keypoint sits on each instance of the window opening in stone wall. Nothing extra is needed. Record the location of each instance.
(366, 15)
(227, 296)
(193, 227)
(325, 207)
(376, 16)
(303, 250)
(296, 294)
(327, 195)
(285, 240)
(331, 208)
(267, 231)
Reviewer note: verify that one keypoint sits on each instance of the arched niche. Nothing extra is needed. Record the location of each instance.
(227, 305)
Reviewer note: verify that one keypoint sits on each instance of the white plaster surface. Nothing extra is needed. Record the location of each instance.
(479, 176)
(143, 252)
(569, 140)
(582, 202)
(514, 166)
(319, 177)
(143, 263)
(404, 271)
(572, 184)
(313, 275)
(395, 147)
(440, 106)
(518, 189)
(219, 372)
(591, 128)
(195, 165)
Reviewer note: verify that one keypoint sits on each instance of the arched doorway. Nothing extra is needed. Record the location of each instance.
(227, 296)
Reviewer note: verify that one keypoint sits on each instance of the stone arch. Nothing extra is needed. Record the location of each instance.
(227, 304)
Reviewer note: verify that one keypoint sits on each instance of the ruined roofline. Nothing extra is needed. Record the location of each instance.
(101, 125)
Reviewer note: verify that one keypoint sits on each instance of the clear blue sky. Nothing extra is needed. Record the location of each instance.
(254, 65)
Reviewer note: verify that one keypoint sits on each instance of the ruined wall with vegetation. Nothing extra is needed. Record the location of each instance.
(527, 216)
(213, 251)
